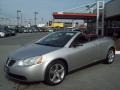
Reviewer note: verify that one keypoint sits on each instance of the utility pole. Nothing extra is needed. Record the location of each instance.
(35, 18)
(21, 19)
(18, 17)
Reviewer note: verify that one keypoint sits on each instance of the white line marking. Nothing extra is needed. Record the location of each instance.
(117, 52)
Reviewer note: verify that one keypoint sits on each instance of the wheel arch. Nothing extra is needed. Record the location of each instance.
(63, 60)
(112, 47)
(109, 48)
(57, 59)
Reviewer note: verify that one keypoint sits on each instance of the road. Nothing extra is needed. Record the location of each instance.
(97, 77)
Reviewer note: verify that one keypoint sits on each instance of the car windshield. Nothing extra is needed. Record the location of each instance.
(57, 39)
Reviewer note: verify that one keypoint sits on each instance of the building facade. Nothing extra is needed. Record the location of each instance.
(112, 18)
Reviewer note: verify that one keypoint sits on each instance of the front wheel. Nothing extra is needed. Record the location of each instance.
(110, 56)
(55, 73)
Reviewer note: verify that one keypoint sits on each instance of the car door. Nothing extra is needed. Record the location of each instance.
(81, 52)
(101, 45)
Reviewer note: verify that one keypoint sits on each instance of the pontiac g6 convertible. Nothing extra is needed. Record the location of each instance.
(52, 57)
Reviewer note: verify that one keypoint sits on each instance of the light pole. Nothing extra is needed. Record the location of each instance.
(35, 18)
(18, 17)
(21, 19)
(100, 8)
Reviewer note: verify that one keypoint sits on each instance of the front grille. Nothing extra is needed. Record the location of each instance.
(19, 77)
(11, 62)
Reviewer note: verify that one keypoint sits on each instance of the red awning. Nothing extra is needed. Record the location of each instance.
(77, 16)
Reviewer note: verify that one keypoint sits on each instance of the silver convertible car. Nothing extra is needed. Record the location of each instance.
(52, 57)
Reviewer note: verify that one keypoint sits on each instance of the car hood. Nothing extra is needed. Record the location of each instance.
(31, 50)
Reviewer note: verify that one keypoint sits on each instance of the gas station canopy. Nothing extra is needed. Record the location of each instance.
(77, 16)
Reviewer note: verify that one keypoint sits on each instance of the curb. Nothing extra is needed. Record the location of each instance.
(117, 52)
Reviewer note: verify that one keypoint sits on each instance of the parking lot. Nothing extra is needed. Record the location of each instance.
(96, 77)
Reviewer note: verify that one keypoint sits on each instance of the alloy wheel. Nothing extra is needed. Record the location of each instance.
(111, 56)
(57, 73)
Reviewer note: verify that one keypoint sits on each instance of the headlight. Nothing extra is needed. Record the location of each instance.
(30, 61)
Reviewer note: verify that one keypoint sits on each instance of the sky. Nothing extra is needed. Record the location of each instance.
(45, 8)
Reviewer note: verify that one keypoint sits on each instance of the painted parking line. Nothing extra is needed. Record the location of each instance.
(117, 52)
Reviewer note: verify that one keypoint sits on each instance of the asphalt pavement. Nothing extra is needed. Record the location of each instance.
(96, 77)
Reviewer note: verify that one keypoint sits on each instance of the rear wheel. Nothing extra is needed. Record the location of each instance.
(55, 73)
(110, 56)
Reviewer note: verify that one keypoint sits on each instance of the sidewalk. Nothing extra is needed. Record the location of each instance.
(117, 42)
(117, 52)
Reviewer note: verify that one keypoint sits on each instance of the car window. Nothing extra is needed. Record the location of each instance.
(80, 39)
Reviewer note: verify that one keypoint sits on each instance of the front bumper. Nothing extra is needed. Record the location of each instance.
(2, 35)
(26, 73)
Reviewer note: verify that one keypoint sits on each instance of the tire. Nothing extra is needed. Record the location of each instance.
(110, 56)
(55, 73)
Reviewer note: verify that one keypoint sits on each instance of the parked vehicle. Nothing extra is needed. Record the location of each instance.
(5, 31)
(10, 32)
(13, 33)
(2, 33)
(34, 29)
(25, 30)
(52, 57)
(43, 29)
(19, 29)
(30, 30)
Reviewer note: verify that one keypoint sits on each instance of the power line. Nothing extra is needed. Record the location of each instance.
(78, 7)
